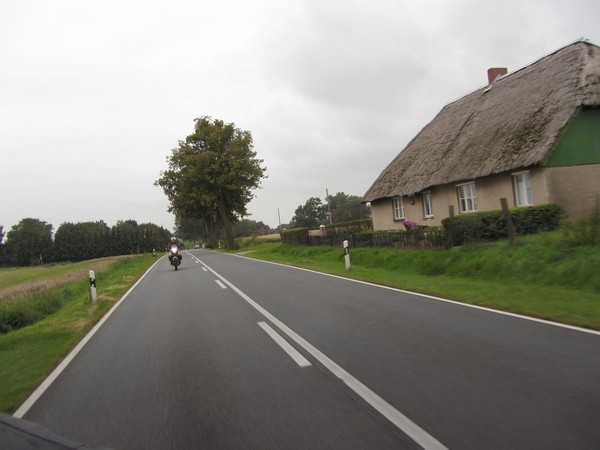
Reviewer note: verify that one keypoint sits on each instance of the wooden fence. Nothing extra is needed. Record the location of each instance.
(421, 239)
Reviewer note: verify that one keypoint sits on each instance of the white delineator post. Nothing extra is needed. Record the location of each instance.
(347, 255)
(93, 286)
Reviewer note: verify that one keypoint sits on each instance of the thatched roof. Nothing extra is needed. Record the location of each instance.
(513, 123)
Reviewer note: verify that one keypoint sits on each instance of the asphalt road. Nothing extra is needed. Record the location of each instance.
(196, 359)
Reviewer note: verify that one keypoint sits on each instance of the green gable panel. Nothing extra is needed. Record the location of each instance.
(581, 143)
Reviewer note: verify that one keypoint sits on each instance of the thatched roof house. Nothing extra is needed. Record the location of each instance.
(513, 123)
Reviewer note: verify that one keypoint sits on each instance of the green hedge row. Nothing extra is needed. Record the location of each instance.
(295, 236)
(300, 236)
(491, 225)
(354, 226)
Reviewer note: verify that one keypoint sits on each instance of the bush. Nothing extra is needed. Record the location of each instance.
(491, 225)
(534, 219)
(295, 236)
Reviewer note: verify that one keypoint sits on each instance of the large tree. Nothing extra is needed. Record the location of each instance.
(346, 208)
(152, 237)
(1, 244)
(212, 174)
(29, 242)
(80, 241)
(247, 227)
(343, 208)
(125, 238)
(194, 230)
(310, 215)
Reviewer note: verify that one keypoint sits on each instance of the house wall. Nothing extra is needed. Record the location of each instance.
(383, 215)
(489, 191)
(576, 189)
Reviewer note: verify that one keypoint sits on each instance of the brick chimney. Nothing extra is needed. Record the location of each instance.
(495, 72)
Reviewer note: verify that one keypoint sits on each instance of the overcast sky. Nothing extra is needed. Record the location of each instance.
(94, 95)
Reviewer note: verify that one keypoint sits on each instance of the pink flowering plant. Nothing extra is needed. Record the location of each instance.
(409, 224)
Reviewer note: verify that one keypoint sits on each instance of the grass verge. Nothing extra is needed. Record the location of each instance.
(27, 355)
(541, 275)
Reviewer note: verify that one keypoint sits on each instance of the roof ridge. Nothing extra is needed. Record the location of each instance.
(581, 39)
(487, 86)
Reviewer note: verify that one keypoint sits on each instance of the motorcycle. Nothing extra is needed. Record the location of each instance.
(174, 255)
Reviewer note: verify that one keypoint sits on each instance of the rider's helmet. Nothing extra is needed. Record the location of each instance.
(173, 239)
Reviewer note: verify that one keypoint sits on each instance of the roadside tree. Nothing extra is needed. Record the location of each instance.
(194, 230)
(211, 175)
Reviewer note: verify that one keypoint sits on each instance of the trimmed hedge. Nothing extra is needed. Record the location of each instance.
(490, 225)
(354, 226)
(295, 236)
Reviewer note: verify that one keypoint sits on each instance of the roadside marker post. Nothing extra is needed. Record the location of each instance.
(347, 255)
(93, 295)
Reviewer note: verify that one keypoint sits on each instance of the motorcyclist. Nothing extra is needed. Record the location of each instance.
(172, 242)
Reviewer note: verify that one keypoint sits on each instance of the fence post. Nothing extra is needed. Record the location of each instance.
(510, 227)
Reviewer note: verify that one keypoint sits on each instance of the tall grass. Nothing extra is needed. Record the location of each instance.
(12, 276)
(27, 281)
(37, 300)
(20, 312)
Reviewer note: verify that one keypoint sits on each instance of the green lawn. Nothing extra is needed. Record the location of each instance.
(540, 276)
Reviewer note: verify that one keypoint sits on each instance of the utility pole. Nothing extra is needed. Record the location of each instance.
(328, 206)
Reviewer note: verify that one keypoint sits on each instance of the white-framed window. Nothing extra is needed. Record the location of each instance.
(522, 188)
(427, 205)
(467, 197)
(398, 208)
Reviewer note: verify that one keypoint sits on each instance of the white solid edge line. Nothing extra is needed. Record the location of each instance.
(401, 421)
(441, 299)
(291, 351)
(27, 404)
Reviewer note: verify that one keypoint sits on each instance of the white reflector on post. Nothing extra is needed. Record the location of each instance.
(93, 295)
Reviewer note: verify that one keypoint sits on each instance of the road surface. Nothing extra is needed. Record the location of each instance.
(229, 352)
